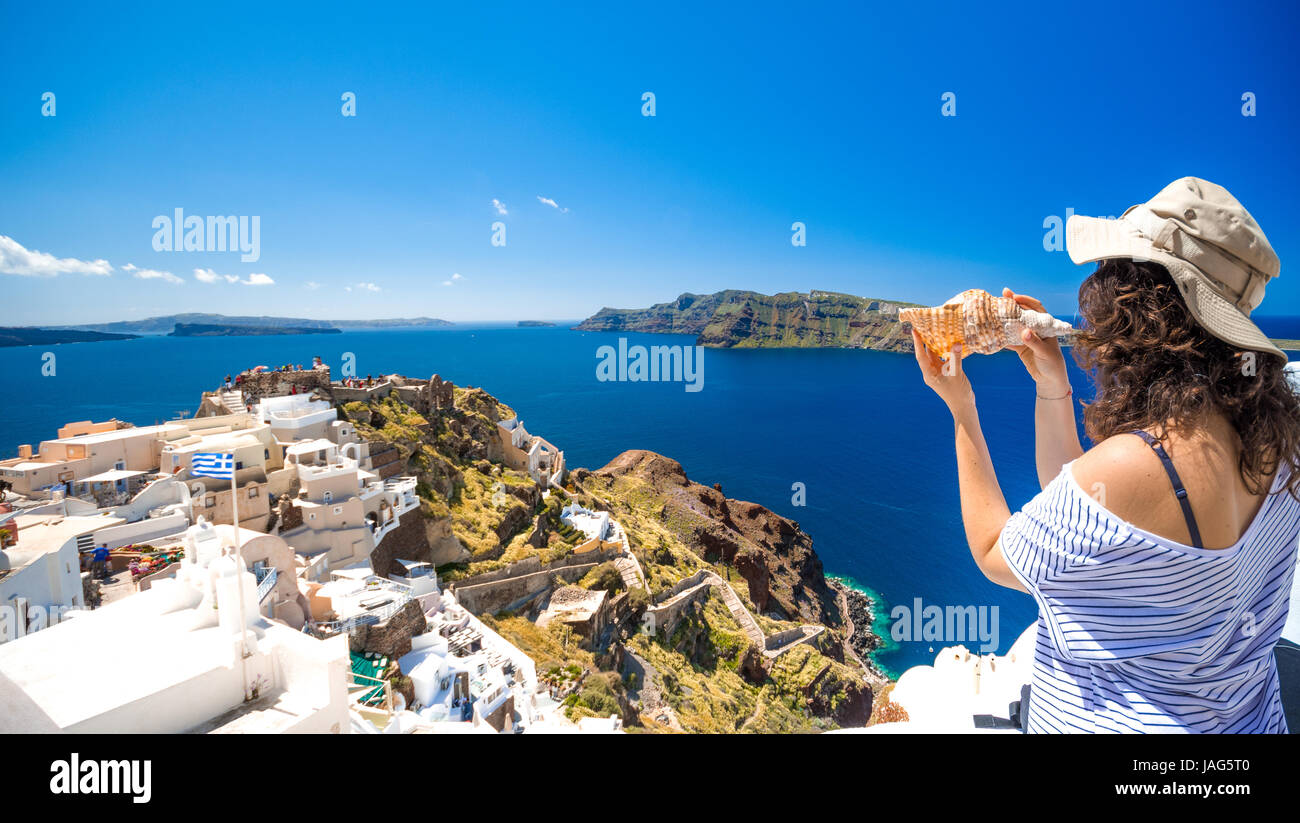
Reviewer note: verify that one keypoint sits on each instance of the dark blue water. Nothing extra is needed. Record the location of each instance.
(872, 445)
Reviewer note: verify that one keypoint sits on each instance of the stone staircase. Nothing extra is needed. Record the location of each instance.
(778, 645)
(232, 401)
(628, 571)
(739, 612)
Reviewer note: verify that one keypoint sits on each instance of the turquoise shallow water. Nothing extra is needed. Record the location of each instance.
(871, 444)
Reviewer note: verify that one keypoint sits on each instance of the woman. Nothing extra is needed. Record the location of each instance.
(1161, 558)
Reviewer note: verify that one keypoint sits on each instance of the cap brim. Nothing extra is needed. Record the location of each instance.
(1090, 239)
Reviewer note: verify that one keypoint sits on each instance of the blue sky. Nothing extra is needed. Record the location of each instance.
(827, 115)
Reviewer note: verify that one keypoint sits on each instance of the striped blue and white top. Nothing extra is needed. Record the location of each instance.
(1137, 633)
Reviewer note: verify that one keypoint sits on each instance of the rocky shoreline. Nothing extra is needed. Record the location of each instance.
(860, 639)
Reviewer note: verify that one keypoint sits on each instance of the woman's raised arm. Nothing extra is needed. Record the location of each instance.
(1056, 440)
(983, 508)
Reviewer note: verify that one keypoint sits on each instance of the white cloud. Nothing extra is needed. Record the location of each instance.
(499, 206)
(312, 284)
(210, 276)
(365, 287)
(15, 259)
(453, 279)
(546, 201)
(152, 274)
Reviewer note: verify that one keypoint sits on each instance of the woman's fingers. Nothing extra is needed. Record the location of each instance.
(922, 354)
(952, 366)
(1024, 300)
(1036, 344)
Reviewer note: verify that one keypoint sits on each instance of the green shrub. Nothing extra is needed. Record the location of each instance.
(605, 576)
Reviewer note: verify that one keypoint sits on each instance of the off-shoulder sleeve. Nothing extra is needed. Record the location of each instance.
(1091, 576)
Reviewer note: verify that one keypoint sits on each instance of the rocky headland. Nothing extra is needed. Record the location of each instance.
(759, 639)
(747, 319)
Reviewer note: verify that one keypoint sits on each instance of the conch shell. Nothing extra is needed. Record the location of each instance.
(980, 322)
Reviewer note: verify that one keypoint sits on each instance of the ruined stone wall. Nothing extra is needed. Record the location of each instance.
(345, 394)
(486, 598)
(256, 385)
(533, 564)
(683, 584)
(666, 617)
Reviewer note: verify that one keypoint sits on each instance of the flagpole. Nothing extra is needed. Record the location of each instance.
(239, 577)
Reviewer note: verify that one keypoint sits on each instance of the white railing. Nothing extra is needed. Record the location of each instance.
(401, 595)
(267, 583)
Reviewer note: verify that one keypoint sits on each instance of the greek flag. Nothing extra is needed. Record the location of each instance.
(212, 464)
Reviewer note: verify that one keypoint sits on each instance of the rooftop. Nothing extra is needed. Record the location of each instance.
(40, 534)
(119, 434)
(93, 663)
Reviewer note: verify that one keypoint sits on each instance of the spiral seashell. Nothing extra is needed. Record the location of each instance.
(980, 322)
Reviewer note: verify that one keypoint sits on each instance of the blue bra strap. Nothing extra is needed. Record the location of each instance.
(1179, 491)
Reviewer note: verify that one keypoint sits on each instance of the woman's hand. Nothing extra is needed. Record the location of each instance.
(946, 377)
(1043, 359)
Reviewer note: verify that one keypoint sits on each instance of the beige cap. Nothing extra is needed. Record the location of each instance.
(1214, 250)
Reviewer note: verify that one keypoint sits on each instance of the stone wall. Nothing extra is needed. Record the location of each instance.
(494, 596)
(533, 564)
(683, 584)
(393, 636)
(776, 641)
(346, 394)
(428, 397)
(256, 385)
(665, 616)
(498, 717)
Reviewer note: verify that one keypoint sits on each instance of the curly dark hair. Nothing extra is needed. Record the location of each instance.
(1157, 369)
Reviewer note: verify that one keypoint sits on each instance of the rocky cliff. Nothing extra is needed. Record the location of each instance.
(710, 671)
(775, 558)
(746, 319)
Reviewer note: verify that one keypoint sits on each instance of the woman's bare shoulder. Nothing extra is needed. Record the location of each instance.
(1121, 472)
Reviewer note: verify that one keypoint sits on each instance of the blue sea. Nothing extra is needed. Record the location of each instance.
(872, 446)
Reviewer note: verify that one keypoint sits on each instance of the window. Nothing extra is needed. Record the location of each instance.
(210, 501)
(252, 492)
(338, 510)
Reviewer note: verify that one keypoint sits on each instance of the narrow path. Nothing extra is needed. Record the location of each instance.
(743, 617)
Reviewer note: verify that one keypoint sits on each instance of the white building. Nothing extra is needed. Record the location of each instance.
(532, 454)
(465, 676)
(296, 416)
(190, 654)
(346, 511)
(592, 524)
(40, 576)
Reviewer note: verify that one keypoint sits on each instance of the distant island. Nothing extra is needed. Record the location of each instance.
(393, 323)
(31, 336)
(227, 330)
(165, 324)
(534, 324)
(747, 319)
